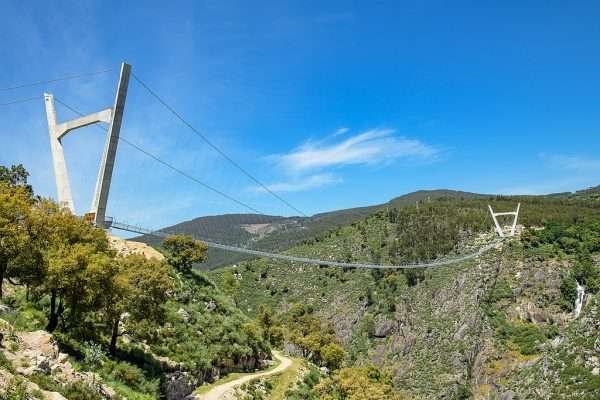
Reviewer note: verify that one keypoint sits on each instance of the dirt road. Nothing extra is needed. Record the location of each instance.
(218, 392)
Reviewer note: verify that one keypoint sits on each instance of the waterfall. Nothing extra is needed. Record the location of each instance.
(579, 299)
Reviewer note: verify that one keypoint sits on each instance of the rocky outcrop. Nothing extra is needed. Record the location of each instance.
(126, 247)
(383, 327)
(178, 385)
(37, 352)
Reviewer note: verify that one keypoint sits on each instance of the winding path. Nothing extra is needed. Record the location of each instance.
(218, 391)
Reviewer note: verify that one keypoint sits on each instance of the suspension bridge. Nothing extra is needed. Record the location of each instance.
(113, 117)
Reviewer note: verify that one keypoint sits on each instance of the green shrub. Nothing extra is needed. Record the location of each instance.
(93, 355)
(80, 391)
(16, 391)
(528, 337)
(45, 382)
(500, 291)
(568, 290)
(128, 374)
(5, 363)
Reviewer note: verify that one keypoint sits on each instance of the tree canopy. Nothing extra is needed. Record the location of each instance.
(184, 251)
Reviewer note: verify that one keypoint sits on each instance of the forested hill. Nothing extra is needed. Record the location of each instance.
(267, 232)
(275, 233)
(501, 326)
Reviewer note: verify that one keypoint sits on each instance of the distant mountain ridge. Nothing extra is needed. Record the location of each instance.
(276, 233)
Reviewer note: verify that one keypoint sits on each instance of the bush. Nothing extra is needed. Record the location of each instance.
(128, 374)
(80, 391)
(93, 356)
(5, 363)
(333, 355)
(528, 337)
(16, 391)
(568, 290)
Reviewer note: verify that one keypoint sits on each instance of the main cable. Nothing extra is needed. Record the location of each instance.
(63, 78)
(170, 166)
(21, 101)
(215, 147)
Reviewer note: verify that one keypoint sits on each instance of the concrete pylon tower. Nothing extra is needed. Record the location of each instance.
(513, 227)
(112, 116)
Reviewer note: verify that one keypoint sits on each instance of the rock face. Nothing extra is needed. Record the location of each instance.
(178, 385)
(37, 352)
(383, 328)
(125, 247)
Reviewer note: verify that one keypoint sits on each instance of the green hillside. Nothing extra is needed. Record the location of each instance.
(469, 330)
(78, 319)
(280, 233)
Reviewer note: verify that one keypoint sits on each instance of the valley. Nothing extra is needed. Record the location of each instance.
(85, 316)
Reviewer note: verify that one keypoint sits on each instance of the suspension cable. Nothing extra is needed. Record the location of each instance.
(170, 166)
(63, 78)
(21, 101)
(305, 260)
(215, 147)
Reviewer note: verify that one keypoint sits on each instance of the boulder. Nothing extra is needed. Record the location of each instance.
(508, 395)
(43, 365)
(460, 333)
(211, 305)
(107, 392)
(178, 385)
(383, 328)
(54, 396)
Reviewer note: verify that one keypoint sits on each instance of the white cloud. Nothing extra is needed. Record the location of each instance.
(299, 185)
(572, 162)
(371, 147)
(340, 131)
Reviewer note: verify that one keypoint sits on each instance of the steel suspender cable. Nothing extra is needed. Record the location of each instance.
(215, 147)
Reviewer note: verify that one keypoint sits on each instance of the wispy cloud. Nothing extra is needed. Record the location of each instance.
(306, 166)
(371, 147)
(572, 162)
(341, 131)
(302, 184)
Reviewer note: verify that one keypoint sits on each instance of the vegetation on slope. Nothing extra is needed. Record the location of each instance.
(130, 319)
(436, 332)
(278, 233)
(532, 312)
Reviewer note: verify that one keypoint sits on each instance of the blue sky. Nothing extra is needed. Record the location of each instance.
(331, 104)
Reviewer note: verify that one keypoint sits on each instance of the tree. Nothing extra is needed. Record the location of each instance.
(357, 384)
(270, 325)
(132, 286)
(70, 283)
(184, 251)
(333, 355)
(15, 205)
(71, 247)
(15, 176)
